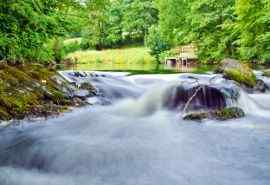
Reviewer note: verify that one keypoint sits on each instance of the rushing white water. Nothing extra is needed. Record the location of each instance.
(136, 141)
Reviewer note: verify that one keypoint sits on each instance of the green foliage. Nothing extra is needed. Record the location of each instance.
(32, 30)
(232, 28)
(114, 23)
(253, 25)
(139, 16)
(173, 23)
(244, 76)
(59, 49)
(25, 27)
(156, 42)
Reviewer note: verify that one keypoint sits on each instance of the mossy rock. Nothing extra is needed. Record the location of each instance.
(222, 115)
(266, 73)
(30, 89)
(18, 104)
(4, 115)
(228, 113)
(243, 76)
(196, 116)
(87, 86)
(237, 71)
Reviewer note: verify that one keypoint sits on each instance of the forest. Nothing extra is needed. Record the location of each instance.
(34, 30)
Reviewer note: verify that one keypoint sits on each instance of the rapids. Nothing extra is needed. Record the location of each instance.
(130, 138)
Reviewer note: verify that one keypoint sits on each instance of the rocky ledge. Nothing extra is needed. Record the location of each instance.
(33, 90)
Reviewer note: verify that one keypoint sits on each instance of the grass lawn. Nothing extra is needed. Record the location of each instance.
(128, 58)
(133, 59)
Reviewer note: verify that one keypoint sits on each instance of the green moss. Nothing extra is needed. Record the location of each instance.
(4, 115)
(243, 76)
(57, 97)
(223, 114)
(266, 73)
(21, 76)
(196, 116)
(229, 113)
(22, 90)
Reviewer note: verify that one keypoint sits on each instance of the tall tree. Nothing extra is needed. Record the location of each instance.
(173, 20)
(95, 32)
(139, 16)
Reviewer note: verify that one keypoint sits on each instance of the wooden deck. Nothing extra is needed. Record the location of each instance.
(185, 61)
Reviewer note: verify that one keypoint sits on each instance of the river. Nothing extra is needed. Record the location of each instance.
(132, 139)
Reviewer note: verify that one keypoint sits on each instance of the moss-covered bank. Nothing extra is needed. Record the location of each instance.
(29, 90)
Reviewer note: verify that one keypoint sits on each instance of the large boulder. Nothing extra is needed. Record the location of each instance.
(200, 97)
(237, 71)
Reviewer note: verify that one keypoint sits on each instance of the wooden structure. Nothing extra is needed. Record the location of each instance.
(185, 61)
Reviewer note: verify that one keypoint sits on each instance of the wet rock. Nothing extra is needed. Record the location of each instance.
(260, 86)
(228, 113)
(197, 97)
(34, 90)
(87, 86)
(81, 93)
(78, 102)
(222, 115)
(196, 116)
(4, 115)
(46, 109)
(237, 71)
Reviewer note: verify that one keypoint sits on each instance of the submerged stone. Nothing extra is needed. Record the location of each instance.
(228, 113)
(222, 115)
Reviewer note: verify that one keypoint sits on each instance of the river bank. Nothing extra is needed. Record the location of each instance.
(34, 90)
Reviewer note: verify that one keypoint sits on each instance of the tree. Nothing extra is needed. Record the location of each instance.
(173, 20)
(156, 42)
(210, 20)
(112, 23)
(139, 16)
(95, 33)
(253, 25)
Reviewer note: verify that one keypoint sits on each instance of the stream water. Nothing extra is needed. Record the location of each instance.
(134, 140)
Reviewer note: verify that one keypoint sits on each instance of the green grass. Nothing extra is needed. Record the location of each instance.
(133, 59)
(129, 58)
